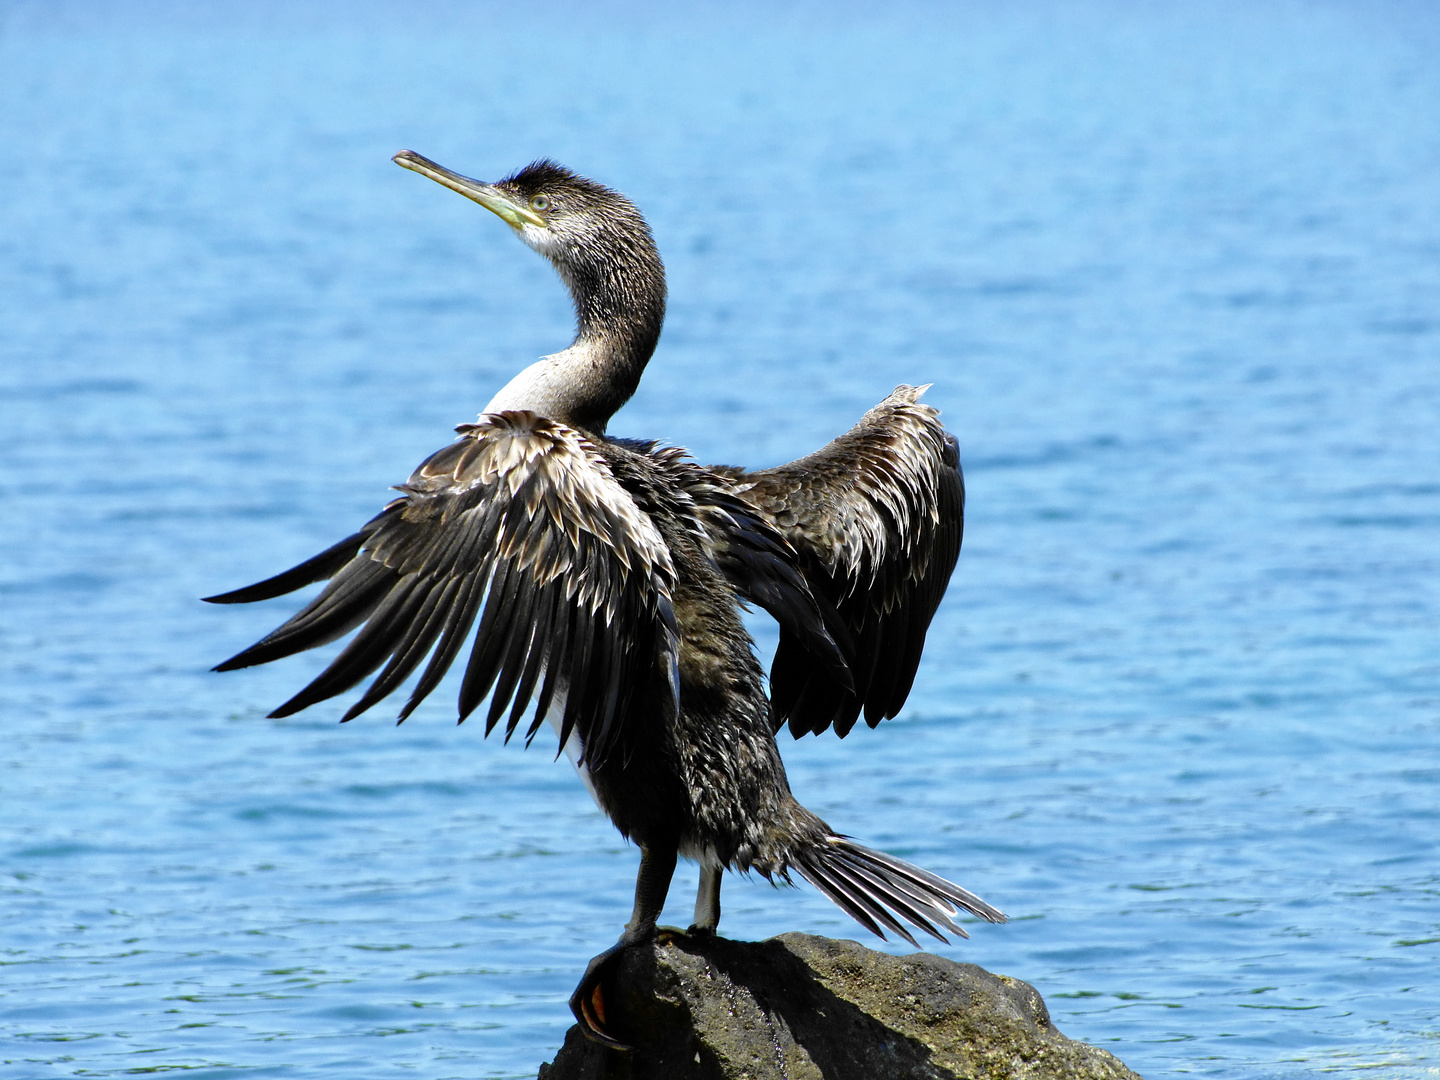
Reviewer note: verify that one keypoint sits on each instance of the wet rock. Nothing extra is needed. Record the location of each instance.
(800, 1007)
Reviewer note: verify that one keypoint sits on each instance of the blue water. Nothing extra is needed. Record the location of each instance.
(1174, 270)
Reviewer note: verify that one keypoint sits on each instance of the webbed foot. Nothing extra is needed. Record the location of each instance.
(657, 864)
(588, 1000)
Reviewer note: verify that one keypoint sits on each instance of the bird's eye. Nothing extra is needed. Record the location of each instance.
(539, 202)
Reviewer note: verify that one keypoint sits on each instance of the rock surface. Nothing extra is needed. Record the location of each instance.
(800, 1007)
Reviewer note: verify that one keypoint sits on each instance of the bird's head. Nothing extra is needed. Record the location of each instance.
(590, 232)
(603, 251)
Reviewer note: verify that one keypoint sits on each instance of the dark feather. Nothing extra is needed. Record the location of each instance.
(469, 593)
(876, 518)
(319, 568)
(520, 523)
(344, 604)
(367, 650)
(878, 889)
(411, 649)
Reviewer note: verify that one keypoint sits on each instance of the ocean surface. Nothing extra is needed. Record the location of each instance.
(1174, 272)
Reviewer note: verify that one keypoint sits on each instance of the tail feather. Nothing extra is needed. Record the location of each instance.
(876, 900)
(878, 890)
(837, 895)
(925, 879)
(916, 910)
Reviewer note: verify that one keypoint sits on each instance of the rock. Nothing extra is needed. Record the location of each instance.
(800, 1007)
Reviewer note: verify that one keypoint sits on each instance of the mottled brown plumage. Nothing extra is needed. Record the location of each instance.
(602, 579)
(876, 517)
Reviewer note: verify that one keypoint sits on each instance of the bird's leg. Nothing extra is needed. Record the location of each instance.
(707, 902)
(657, 867)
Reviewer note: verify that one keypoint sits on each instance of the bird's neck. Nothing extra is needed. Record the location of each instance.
(618, 316)
(582, 386)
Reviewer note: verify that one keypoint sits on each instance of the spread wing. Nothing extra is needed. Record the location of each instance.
(520, 523)
(876, 517)
(757, 561)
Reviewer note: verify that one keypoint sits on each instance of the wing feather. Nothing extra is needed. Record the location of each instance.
(470, 591)
(413, 647)
(367, 650)
(520, 531)
(534, 663)
(343, 605)
(759, 562)
(318, 568)
(877, 517)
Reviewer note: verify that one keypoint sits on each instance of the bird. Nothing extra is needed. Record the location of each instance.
(601, 581)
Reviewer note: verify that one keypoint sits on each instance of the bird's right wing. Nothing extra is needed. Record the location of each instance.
(521, 523)
(876, 517)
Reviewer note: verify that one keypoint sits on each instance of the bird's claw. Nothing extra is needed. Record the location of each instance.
(588, 1000)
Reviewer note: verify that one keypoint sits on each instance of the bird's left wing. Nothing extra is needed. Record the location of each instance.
(520, 523)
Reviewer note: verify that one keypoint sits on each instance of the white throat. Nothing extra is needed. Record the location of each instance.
(553, 385)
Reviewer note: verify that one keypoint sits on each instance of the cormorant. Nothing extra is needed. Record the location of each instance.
(607, 577)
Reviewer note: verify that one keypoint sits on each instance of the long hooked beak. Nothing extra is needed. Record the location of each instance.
(514, 213)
